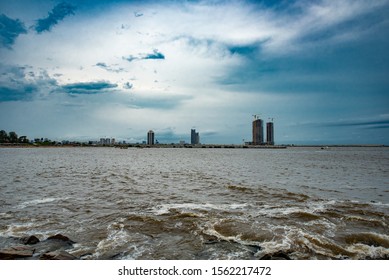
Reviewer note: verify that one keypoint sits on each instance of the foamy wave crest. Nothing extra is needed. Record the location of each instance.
(117, 236)
(39, 201)
(23, 229)
(166, 208)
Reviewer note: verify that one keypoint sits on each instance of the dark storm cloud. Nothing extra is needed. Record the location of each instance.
(20, 83)
(10, 29)
(102, 65)
(154, 55)
(130, 58)
(109, 68)
(24, 92)
(160, 102)
(169, 135)
(88, 88)
(128, 85)
(245, 50)
(58, 13)
(380, 123)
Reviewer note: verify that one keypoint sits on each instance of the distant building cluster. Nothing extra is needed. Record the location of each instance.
(258, 137)
(194, 138)
(107, 141)
(258, 132)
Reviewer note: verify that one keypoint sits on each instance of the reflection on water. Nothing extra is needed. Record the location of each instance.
(199, 203)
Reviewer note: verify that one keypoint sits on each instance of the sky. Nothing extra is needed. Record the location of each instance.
(84, 70)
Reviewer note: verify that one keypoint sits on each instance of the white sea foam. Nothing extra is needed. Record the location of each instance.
(165, 208)
(117, 236)
(39, 201)
(15, 229)
(6, 215)
(280, 210)
(363, 251)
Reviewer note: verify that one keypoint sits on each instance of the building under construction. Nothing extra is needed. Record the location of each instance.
(270, 133)
(258, 132)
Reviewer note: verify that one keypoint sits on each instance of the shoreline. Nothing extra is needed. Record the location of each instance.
(199, 146)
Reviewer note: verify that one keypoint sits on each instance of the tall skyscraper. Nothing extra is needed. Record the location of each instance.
(270, 133)
(150, 137)
(257, 132)
(194, 137)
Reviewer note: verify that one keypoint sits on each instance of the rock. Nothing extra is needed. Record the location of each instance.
(16, 252)
(31, 240)
(384, 257)
(280, 255)
(254, 248)
(52, 248)
(57, 255)
(210, 239)
(60, 237)
(52, 245)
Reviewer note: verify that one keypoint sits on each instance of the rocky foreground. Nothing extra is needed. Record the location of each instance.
(31, 248)
(54, 248)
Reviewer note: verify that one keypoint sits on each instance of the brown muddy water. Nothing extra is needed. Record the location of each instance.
(162, 203)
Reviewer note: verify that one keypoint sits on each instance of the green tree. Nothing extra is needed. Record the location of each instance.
(13, 137)
(3, 136)
(23, 139)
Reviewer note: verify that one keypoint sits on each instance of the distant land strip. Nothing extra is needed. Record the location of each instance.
(172, 145)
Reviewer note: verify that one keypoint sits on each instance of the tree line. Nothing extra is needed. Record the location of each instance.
(12, 137)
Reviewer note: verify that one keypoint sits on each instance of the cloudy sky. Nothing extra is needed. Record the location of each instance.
(81, 70)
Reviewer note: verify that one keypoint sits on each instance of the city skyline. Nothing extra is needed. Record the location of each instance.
(82, 70)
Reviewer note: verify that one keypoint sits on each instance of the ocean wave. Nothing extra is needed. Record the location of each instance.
(39, 201)
(166, 208)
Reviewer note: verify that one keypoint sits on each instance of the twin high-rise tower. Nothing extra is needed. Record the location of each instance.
(258, 135)
(257, 131)
(270, 133)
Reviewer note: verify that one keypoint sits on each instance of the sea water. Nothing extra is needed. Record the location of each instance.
(178, 203)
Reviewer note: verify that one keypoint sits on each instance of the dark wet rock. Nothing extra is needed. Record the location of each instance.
(57, 255)
(31, 247)
(53, 244)
(16, 252)
(280, 255)
(60, 237)
(9, 241)
(30, 240)
(117, 256)
(254, 248)
(385, 257)
(210, 239)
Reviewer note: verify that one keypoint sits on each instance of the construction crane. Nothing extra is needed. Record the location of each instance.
(256, 117)
(271, 119)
